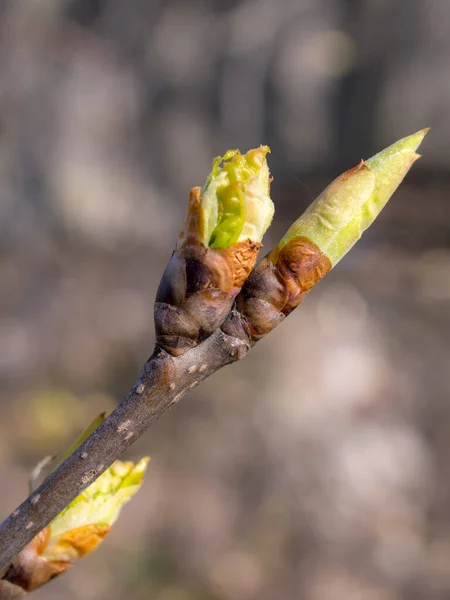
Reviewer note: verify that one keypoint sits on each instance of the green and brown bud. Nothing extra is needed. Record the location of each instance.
(78, 529)
(349, 205)
(323, 235)
(217, 250)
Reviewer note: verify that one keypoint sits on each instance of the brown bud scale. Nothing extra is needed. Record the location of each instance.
(279, 283)
(30, 569)
(197, 291)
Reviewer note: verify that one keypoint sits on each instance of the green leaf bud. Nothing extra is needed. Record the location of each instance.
(349, 205)
(235, 204)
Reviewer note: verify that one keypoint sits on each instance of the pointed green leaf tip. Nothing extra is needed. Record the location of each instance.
(340, 215)
(235, 200)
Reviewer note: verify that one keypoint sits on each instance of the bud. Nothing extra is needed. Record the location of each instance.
(323, 235)
(79, 528)
(216, 251)
(340, 215)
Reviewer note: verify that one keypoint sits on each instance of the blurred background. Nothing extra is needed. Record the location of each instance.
(317, 468)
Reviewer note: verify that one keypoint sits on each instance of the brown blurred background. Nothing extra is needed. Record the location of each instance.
(316, 469)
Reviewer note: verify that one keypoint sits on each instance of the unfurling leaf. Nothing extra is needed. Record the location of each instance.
(349, 205)
(234, 205)
(79, 528)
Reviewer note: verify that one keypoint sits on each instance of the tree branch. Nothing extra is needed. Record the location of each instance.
(163, 381)
(198, 287)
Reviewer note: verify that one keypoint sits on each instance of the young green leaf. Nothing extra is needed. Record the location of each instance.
(349, 205)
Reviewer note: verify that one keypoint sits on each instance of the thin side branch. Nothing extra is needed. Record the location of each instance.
(163, 381)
